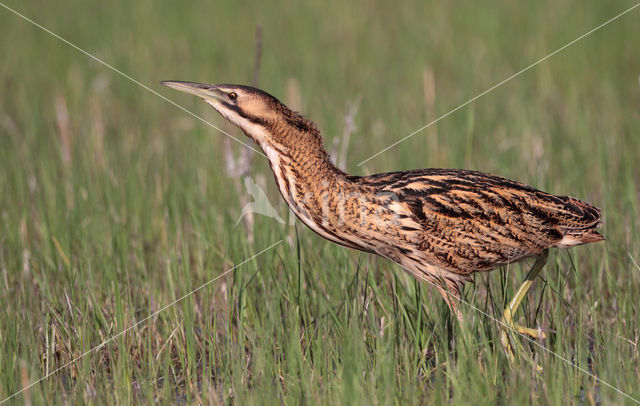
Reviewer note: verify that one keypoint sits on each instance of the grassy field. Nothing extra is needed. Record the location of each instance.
(115, 203)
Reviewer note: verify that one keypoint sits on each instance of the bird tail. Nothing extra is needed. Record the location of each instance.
(580, 228)
(579, 238)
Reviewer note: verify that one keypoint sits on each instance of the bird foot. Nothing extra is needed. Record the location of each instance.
(537, 333)
(505, 338)
(506, 344)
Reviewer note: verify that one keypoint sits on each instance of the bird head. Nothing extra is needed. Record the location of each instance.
(249, 108)
(262, 117)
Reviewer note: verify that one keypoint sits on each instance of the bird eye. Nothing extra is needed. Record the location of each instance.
(232, 96)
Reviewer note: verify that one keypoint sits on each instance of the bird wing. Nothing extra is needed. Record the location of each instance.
(468, 221)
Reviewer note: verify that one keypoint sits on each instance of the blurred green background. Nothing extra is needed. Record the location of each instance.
(116, 203)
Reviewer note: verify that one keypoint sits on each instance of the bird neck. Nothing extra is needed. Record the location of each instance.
(300, 163)
(299, 155)
(293, 145)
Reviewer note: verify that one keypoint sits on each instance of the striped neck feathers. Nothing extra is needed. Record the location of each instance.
(284, 135)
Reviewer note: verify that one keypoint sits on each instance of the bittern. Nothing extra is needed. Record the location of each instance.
(442, 225)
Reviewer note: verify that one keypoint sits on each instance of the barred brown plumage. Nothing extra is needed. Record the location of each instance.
(442, 225)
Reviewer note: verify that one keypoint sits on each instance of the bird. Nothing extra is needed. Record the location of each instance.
(441, 225)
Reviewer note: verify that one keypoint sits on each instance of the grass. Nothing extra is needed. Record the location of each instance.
(115, 203)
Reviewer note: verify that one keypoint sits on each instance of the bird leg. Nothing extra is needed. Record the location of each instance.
(507, 316)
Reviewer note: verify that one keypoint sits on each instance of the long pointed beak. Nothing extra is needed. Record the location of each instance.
(207, 92)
